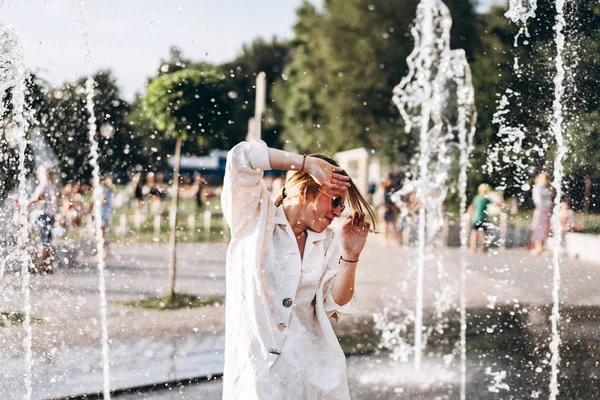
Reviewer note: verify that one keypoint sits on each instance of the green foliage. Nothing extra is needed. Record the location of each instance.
(178, 301)
(189, 103)
(347, 60)
(259, 56)
(532, 88)
(10, 318)
(583, 140)
(60, 116)
(63, 122)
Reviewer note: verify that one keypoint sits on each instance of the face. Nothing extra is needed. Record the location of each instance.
(324, 208)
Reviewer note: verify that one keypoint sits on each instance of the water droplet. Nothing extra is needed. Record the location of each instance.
(107, 130)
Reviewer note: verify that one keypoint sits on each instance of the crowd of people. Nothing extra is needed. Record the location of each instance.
(398, 214)
(541, 226)
(60, 210)
(149, 196)
(54, 209)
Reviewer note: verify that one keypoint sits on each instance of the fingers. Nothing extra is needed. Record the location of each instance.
(342, 180)
(339, 185)
(358, 219)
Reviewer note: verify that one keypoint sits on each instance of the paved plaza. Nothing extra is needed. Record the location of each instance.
(150, 346)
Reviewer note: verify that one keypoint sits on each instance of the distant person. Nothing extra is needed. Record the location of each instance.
(155, 194)
(541, 224)
(148, 185)
(135, 189)
(386, 210)
(199, 187)
(186, 189)
(479, 217)
(161, 187)
(106, 190)
(407, 202)
(46, 197)
(567, 221)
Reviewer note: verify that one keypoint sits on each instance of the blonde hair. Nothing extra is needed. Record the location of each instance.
(301, 183)
(483, 189)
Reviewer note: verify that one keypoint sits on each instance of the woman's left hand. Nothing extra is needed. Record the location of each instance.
(354, 235)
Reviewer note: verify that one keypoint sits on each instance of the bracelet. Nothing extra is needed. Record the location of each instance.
(303, 162)
(348, 261)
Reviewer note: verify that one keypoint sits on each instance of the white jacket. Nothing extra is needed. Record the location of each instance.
(262, 275)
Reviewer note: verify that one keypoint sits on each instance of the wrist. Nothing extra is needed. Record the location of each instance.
(350, 256)
(308, 164)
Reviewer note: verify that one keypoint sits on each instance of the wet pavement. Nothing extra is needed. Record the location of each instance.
(139, 363)
(149, 346)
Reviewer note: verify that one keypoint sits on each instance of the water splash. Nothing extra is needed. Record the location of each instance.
(43, 155)
(437, 86)
(13, 75)
(498, 378)
(507, 152)
(89, 92)
(466, 131)
(519, 11)
(416, 97)
(557, 126)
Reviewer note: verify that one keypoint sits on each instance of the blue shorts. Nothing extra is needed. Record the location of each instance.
(45, 224)
(480, 226)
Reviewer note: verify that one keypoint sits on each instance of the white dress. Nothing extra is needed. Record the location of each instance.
(279, 342)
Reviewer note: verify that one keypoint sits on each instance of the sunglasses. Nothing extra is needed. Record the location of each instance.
(336, 201)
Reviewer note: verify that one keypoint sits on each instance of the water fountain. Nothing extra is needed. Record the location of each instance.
(13, 74)
(424, 99)
(89, 92)
(520, 11)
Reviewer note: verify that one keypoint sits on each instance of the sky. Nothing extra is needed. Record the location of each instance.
(130, 37)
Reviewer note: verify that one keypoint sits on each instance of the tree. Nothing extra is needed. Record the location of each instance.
(259, 56)
(186, 104)
(347, 60)
(62, 120)
(532, 91)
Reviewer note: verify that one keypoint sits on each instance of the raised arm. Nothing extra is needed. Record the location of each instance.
(354, 236)
(323, 173)
(243, 187)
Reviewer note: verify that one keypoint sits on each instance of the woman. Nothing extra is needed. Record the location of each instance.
(135, 187)
(386, 210)
(479, 217)
(540, 226)
(287, 274)
(46, 197)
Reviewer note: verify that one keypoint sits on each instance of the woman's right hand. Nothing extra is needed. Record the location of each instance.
(327, 175)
